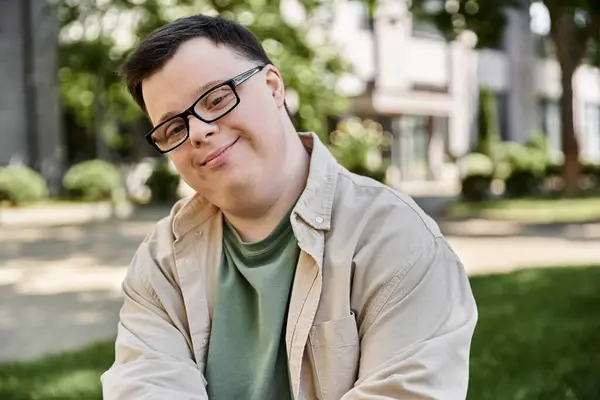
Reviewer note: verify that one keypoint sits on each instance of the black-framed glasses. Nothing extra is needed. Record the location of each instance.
(215, 103)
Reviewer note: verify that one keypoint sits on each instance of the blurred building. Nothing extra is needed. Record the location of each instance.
(425, 90)
(30, 127)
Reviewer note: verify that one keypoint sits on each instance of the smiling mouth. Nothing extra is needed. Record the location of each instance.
(223, 150)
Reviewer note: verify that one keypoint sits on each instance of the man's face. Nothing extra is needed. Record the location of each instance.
(250, 139)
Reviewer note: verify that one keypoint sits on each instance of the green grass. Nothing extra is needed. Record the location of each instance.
(68, 376)
(562, 210)
(538, 335)
(538, 338)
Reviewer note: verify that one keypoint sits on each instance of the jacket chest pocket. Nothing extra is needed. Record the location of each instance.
(334, 354)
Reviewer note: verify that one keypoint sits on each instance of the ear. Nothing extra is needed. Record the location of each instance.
(275, 83)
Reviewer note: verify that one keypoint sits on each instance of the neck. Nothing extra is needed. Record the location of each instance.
(259, 224)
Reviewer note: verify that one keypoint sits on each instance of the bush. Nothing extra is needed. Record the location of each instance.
(358, 144)
(20, 184)
(592, 173)
(477, 174)
(522, 167)
(163, 183)
(93, 180)
(476, 187)
(475, 164)
(522, 183)
(553, 177)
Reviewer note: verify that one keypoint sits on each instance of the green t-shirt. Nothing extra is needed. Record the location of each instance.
(247, 356)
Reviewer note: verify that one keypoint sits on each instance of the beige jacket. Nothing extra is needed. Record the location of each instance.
(381, 307)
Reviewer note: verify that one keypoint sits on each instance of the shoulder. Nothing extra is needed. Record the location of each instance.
(163, 230)
(155, 253)
(374, 211)
(392, 245)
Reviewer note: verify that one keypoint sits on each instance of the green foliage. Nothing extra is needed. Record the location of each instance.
(523, 167)
(163, 183)
(357, 145)
(485, 18)
(489, 123)
(476, 187)
(92, 180)
(591, 172)
(476, 164)
(20, 184)
(477, 173)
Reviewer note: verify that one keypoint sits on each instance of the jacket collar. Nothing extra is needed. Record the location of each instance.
(316, 201)
(314, 205)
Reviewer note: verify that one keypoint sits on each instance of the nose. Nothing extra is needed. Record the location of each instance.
(200, 131)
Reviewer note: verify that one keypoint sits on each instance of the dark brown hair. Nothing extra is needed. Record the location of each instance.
(162, 44)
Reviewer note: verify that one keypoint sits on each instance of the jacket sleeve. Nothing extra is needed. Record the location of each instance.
(417, 342)
(153, 354)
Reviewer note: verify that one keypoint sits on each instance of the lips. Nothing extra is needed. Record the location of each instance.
(218, 152)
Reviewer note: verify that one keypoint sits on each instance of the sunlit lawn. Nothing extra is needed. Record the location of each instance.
(68, 376)
(538, 338)
(532, 210)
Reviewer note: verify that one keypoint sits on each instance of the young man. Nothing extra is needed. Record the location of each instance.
(285, 276)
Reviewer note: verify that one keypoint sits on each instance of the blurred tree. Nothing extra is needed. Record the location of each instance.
(97, 35)
(575, 30)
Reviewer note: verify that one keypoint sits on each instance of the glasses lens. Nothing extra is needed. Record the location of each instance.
(170, 134)
(216, 103)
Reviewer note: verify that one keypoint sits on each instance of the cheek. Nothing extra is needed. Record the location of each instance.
(182, 162)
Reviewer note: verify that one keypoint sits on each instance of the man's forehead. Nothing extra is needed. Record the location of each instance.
(209, 54)
(200, 62)
(197, 66)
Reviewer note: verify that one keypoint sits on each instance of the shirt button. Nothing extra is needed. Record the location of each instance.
(319, 220)
(198, 234)
(205, 342)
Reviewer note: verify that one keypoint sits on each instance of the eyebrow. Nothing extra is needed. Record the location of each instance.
(197, 93)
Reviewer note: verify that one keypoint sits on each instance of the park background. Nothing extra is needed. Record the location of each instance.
(486, 112)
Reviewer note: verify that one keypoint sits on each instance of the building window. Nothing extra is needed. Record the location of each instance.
(364, 22)
(544, 46)
(550, 122)
(590, 135)
(425, 30)
(419, 147)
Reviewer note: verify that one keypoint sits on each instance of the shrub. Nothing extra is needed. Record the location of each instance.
(163, 183)
(592, 173)
(522, 167)
(358, 144)
(475, 164)
(522, 183)
(92, 180)
(477, 174)
(476, 187)
(553, 177)
(20, 184)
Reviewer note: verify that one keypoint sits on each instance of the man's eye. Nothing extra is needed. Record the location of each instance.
(217, 101)
(174, 130)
